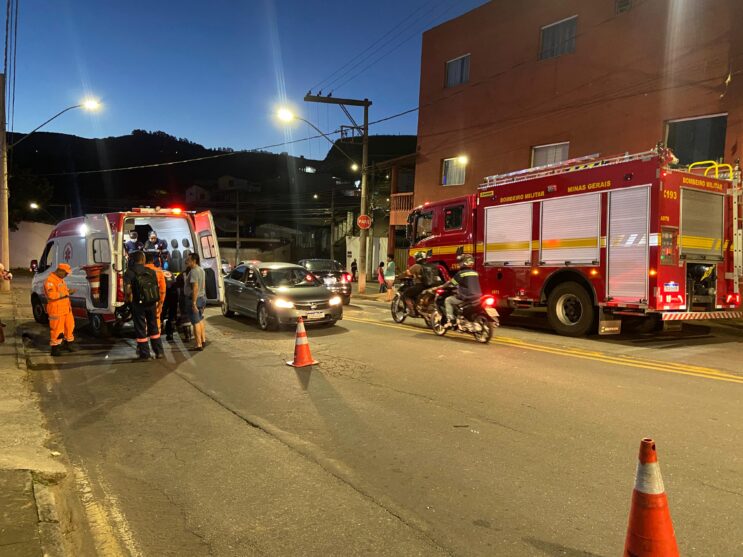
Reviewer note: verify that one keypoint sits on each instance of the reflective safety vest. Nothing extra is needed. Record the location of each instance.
(57, 296)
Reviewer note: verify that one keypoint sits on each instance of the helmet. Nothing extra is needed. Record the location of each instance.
(466, 260)
(420, 257)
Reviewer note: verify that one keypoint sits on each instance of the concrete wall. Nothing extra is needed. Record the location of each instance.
(629, 74)
(28, 243)
(376, 251)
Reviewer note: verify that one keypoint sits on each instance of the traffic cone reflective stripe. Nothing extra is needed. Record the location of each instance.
(650, 530)
(302, 356)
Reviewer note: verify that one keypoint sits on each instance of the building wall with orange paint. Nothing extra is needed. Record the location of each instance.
(630, 73)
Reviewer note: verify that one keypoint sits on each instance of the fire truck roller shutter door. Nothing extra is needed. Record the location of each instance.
(701, 224)
(628, 244)
(508, 233)
(571, 230)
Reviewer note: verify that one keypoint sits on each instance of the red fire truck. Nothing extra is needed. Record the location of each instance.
(599, 242)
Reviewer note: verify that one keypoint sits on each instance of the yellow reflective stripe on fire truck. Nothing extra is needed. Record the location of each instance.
(441, 250)
(570, 243)
(700, 242)
(504, 246)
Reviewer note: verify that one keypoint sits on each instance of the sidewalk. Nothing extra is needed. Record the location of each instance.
(29, 524)
(372, 293)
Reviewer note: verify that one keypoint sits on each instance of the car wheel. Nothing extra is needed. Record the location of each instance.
(226, 311)
(265, 321)
(570, 310)
(40, 315)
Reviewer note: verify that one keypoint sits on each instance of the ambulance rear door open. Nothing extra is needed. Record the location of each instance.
(100, 253)
(208, 249)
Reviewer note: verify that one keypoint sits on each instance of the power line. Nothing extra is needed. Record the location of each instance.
(393, 49)
(360, 54)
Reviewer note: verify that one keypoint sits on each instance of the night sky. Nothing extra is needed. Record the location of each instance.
(215, 71)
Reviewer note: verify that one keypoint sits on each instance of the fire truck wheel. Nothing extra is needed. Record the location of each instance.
(40, 315)
(570, 310)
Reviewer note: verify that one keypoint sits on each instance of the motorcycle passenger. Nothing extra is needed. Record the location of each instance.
(467, 281)
(415, 271)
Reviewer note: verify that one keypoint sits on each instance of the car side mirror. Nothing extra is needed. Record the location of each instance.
(34, 266)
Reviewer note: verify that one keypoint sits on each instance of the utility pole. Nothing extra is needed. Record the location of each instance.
(4, 220)
(237, 227)
(366, 103)
(332, 220)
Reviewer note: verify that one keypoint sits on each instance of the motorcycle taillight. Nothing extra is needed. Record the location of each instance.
(488, 301)
(440, 291)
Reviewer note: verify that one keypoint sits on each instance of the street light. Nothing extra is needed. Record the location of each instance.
(33, 205)
(89, 104)
(287, 116)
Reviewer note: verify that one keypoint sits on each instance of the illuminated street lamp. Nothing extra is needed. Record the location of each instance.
(33, 205)
(89, 104)
(287, 116)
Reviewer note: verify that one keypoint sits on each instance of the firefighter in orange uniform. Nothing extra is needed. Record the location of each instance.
(161, 283)
(59, 310)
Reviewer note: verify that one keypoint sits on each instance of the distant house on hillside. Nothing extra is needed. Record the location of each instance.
(196, 194)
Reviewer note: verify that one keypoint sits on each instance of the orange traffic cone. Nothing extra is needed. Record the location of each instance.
(650, 530)
(302, 356)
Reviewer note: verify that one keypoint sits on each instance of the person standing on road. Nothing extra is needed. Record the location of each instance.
(143, 294)
(389, 276)
(354, 270)
(161, 284)
(59, 310)
(194, 290)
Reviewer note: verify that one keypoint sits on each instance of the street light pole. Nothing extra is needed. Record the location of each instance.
(332, 221)
(4, 217)
(237, 227)
(364, 174)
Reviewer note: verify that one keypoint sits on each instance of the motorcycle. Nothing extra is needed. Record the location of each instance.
(423, 307)
(477, 318)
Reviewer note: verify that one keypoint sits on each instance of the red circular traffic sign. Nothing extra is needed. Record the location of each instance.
(364, 222)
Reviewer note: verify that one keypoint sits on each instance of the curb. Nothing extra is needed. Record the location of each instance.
(54, 499)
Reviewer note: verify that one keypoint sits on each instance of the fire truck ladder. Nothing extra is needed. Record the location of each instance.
(572, 165)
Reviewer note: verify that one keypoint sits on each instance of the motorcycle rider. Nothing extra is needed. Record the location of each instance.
(415, 272)
(467, 282)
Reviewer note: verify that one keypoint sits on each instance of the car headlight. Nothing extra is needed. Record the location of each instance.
(281, 303)
(335, 300)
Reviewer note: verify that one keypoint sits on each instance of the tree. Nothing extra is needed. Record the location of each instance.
(26, 188)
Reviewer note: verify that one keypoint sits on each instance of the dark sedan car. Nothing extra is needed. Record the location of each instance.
(278, 294)
(333, 275)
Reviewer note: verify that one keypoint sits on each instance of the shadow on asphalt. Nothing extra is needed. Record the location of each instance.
(241, 324)
(691, 334)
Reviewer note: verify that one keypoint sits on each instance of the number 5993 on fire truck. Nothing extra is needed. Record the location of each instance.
(598, 242)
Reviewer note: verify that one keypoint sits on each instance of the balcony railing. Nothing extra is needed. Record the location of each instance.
(400, 206)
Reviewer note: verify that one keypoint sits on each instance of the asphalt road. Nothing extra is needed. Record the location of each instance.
(399, 442)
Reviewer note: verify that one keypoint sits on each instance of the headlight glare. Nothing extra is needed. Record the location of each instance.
(282, 303)
(335, 300)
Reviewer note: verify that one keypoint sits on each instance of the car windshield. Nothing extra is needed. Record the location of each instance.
(289, 277)
(323, 265)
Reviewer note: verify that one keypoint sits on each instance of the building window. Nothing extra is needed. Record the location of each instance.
(558, 38)
(453, 171)
(453, 217)
(549, 154)
(458, 71)
(697, 139)
(621, 6)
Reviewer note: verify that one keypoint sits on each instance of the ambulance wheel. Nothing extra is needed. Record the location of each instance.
(40, 315)
(99, 327)
(570, 310)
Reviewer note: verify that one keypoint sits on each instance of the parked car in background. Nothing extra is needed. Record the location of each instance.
(332, 274)
(278, 294)
(226, 267)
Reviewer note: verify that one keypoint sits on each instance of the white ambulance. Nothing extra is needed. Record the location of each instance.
(93, 246)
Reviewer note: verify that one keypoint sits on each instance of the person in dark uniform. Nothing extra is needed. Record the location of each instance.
(133, 243)
(467, 282)
(160, 247)
(143, 294)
